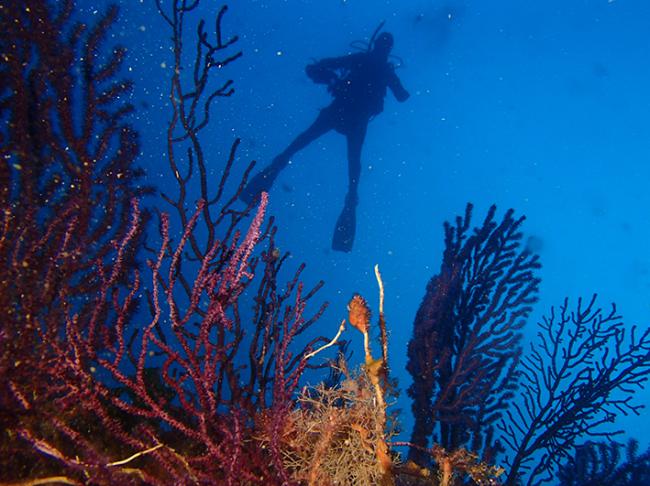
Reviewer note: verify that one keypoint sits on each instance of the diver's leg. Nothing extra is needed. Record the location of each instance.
(321, 125)
(355, 144)
(264, 180)
(344, 230)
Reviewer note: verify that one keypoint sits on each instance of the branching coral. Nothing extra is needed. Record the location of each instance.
(339, 435)
(468, 374)
(466, 335)
(333, 435)
(602, 464)
(94, 389)
(581, 374)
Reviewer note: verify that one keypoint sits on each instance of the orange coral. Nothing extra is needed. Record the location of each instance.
(359, 313)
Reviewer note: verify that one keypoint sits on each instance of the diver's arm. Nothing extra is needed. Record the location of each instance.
(325, 70)
(396, 87)
(342, 62)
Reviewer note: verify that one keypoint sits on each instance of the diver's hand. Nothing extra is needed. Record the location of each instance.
(320, 75)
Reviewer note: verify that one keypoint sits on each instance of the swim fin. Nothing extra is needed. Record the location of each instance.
(345, 227)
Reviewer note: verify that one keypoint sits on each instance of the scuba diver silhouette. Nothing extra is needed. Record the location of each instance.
(358, 84)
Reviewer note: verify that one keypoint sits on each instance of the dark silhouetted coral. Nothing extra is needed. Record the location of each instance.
(466, 335)
(603, 464)
(580, 374)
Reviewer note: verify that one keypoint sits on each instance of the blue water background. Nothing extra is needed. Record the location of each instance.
(538, 106)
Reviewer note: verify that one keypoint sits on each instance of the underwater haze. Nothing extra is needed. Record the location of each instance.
(539, 107)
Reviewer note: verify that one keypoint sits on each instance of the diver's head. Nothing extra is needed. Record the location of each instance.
(383, 44)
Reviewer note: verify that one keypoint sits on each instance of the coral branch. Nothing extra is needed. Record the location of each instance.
(583, 371)
(466, 335)
(86, 376)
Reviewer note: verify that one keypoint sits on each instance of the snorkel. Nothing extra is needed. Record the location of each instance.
(371, 44)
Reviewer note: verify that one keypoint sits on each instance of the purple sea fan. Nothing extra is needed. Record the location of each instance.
(466, 335)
